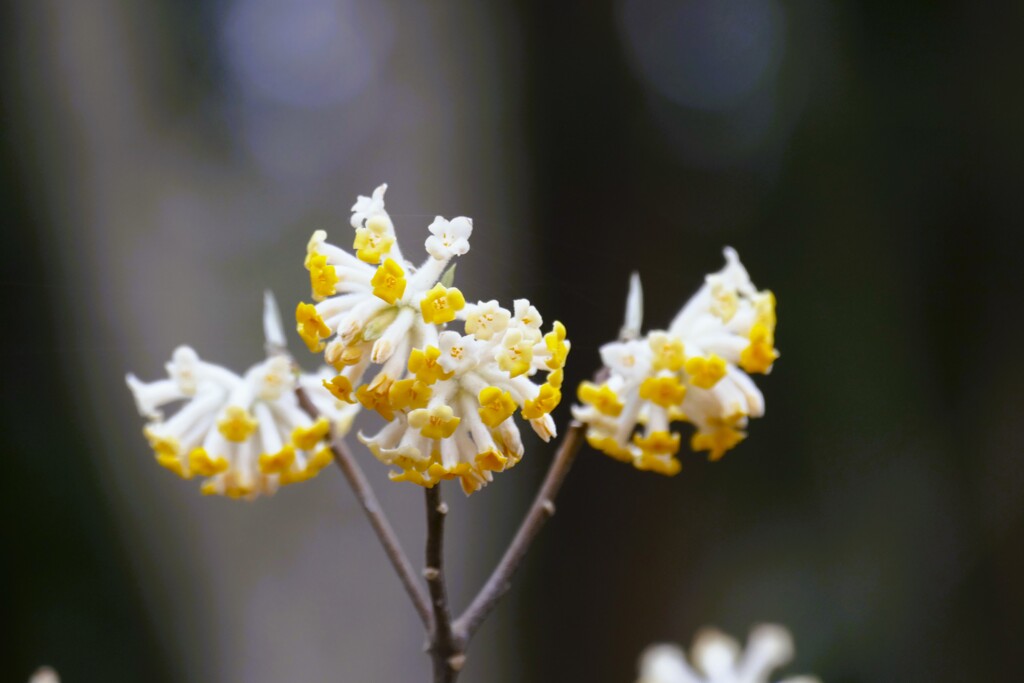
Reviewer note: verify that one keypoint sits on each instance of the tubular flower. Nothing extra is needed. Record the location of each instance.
(245, 435)
(454, 416)
(695, 371)
(716, 658)
(374, 307)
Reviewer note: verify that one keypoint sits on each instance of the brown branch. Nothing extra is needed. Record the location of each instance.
(378, 520)
(445, 651)
(543, 507)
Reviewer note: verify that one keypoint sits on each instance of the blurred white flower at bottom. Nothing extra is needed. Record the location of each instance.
(44, 675)
(717, 658)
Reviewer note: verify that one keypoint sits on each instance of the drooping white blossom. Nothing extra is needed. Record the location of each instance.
(695, 371)
(244, 434)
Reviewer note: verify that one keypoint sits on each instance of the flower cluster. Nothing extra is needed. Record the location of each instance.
(716, 658)
(695, 371)
(245, 435)
(449, 397)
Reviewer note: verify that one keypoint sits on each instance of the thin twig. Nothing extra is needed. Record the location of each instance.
(446, 653)
(543, 507)
(378, 520)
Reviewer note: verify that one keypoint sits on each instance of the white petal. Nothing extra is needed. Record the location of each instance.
(665, 664)
(634, 309)
(768, 648)
(715, 654)
(273, 330)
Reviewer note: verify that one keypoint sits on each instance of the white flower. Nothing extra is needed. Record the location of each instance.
(454, 417)
(716, 658)
(375, 306)
(485, 319)
(527, 318)
(515, 355)
(367, 207)
(449, 238)
(696, 371)
(459, 354)
(246, 435)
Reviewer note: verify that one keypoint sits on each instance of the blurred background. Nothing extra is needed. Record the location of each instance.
(164, 162)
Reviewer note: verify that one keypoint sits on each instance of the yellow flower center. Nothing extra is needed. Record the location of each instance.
(601, 397)
(705, 372)
(665, 391)
(496, 406)
(389, 281)
(441, 303)
(237, 424)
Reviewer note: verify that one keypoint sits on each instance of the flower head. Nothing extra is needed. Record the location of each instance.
(717, 658)
(453, 418)
(374, 306)
(449, 396)
(244, 434)
(695, 371)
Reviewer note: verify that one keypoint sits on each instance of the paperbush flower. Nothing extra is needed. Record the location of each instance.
(245, 435)
(695, 371)
(716, 658)
(453, 416)
(449, 397)
(374, 305)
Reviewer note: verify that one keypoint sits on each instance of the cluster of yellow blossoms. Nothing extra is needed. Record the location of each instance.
(245, 435)
(449, 397)
(695, 371)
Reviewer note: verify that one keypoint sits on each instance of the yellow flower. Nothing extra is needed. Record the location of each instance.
(665, 390)
(759, 356)
(426, 366)
(340, 387)
(441, 304)
(306, 438)
(374, 396)
(547, 400)
(373, 241)
(705, 372)
(716, 443)
(389, 281)
(601, 397)
(555, 341)
(237, 424)
(496, 406)
(322, 276)
(311, 326)
(438, 422)
(276, 463)
(409, 393)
